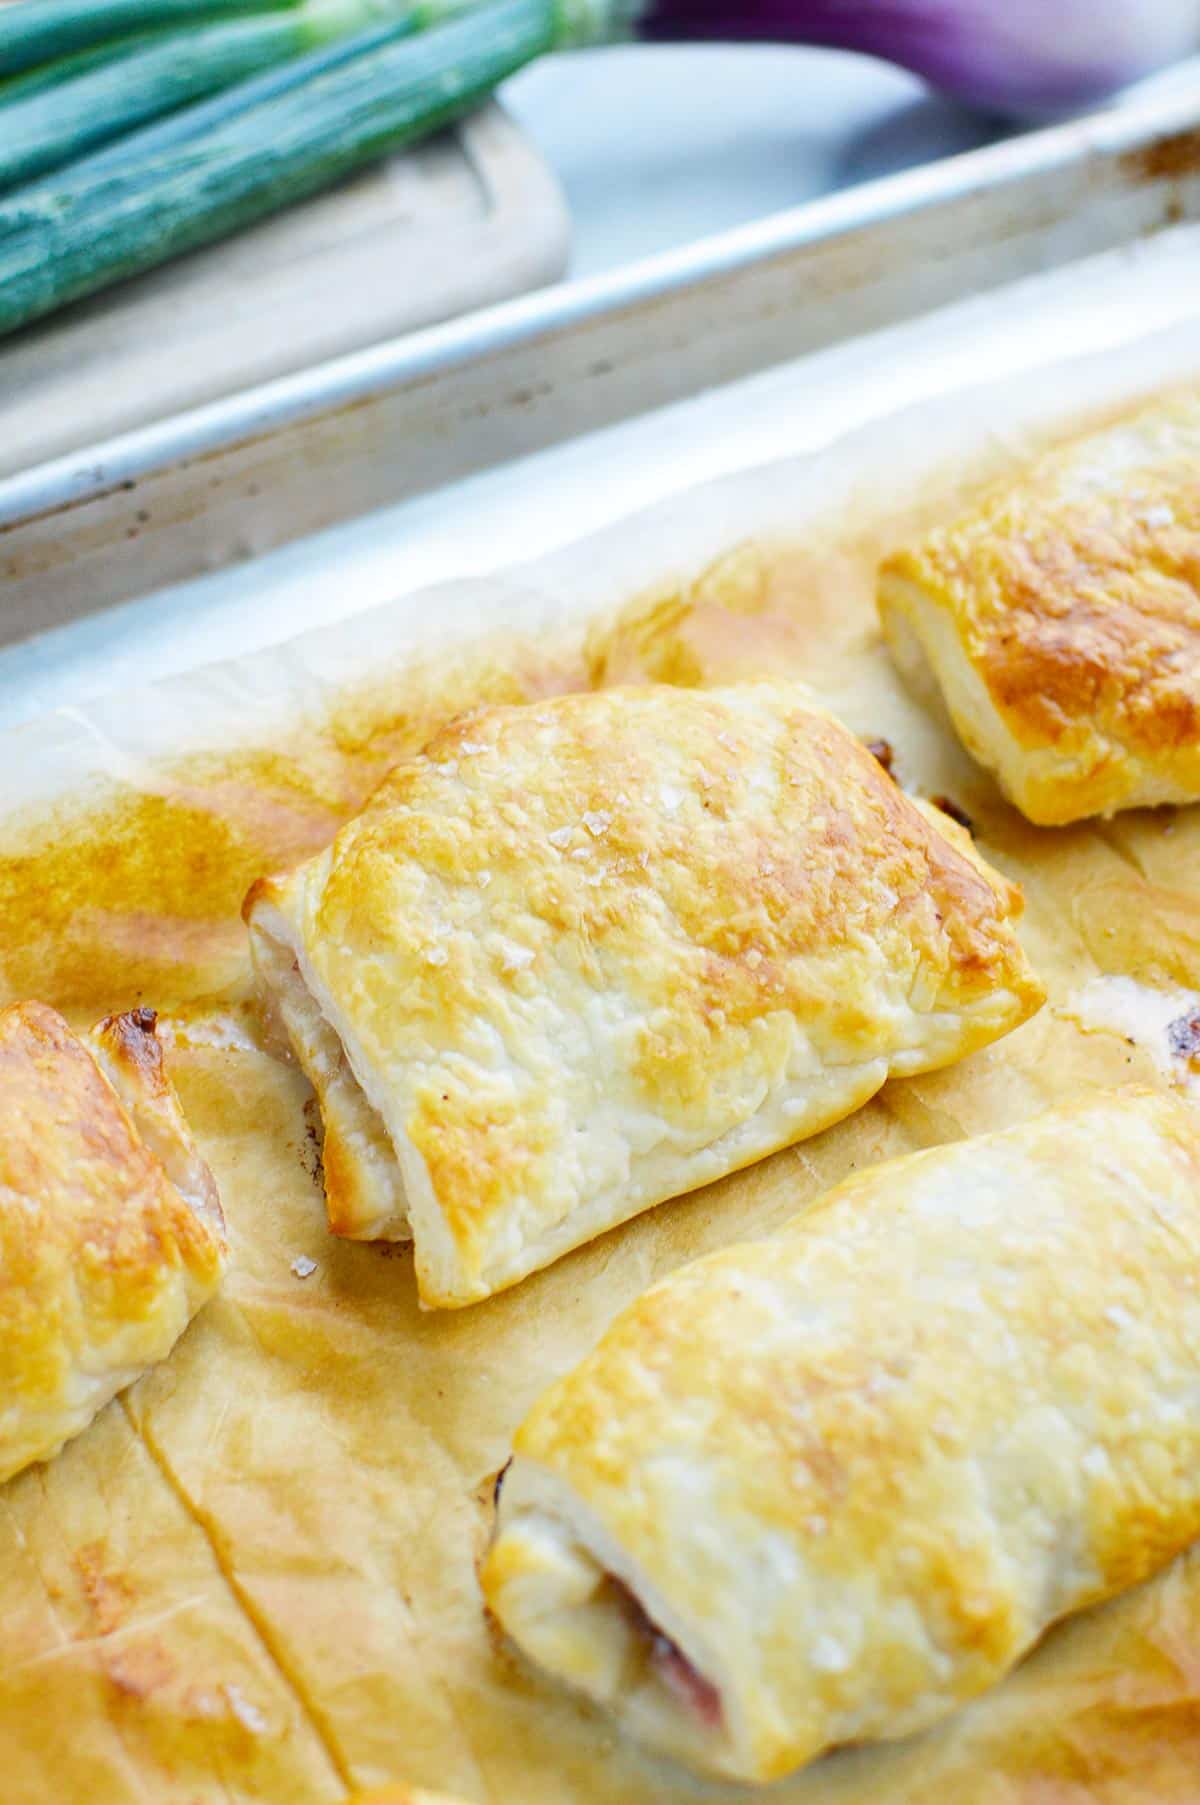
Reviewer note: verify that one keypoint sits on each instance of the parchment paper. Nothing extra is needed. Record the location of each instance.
(253, 1578)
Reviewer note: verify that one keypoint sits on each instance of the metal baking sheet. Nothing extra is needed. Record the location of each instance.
(319, 1414)
(469, 218)
(530, 506)
(236, 479)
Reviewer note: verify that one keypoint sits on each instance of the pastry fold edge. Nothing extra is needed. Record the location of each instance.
(826, 1487)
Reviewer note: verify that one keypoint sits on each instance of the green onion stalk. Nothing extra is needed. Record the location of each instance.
(67, 238)
(55, 126)
(41, 31)
(79, 62)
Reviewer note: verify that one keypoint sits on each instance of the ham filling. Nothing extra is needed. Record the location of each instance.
(670, 1663)
(683, 1682)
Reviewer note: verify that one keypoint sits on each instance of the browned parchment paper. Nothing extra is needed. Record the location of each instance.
(253, 1578)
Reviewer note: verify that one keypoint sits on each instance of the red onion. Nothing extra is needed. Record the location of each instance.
(1022, 58)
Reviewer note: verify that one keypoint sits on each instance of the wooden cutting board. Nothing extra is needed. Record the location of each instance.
(473, 216)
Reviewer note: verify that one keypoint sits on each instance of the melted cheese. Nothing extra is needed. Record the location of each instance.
(1146, 1017)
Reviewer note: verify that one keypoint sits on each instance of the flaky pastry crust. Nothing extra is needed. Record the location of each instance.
(824, 1487)
(401, 1795)
(111, 1234)
(1060, 617)
(588, 954)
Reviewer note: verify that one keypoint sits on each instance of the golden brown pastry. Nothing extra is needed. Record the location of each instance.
(1060, 617)
(399, 1794)
(824, 1487)
(111, 1234)
(584, 955)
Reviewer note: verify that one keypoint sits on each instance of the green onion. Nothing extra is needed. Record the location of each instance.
(37, 31)
(65, 68)
(191, 122)
(57, 247)
(44, 131)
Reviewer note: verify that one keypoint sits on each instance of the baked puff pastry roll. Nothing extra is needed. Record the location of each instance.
(823, 1488)
(1060, 617)
(111, 1233)
(587, 954)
